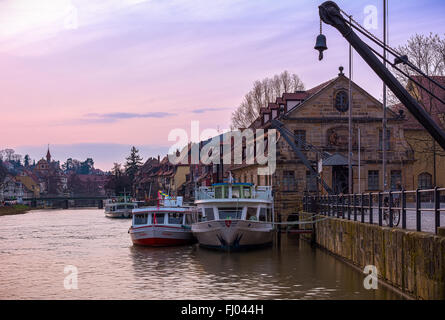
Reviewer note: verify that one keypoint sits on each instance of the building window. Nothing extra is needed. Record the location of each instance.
(300, 138)
(373, 180)
(341, 101)
(311, 182)
(274, 114)
(425, 181)
(387, 142)
(396, 179)
(289, 181)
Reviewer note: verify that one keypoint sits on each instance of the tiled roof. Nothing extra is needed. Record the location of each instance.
(434, 107)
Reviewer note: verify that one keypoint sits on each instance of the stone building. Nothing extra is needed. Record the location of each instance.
(428, 168)
(319, 117)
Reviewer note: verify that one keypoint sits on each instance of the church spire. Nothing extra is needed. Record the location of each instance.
(48, 156)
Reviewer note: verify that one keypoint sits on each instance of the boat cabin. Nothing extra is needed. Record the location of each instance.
(234, 191)
(117, 206)
(162, 217)
(234, 201)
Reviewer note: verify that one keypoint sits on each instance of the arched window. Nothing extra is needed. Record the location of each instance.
(425, 181)
(341, 101)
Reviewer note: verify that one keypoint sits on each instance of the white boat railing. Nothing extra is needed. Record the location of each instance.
(256, 193)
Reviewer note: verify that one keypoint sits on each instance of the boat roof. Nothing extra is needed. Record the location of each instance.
(233, 184)
(119, 203)
(228, 201)
(163, 209)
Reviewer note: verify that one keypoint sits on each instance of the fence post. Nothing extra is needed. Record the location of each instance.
(362, 201)
(418, 212)
(380, 209)
(349, 207)
(437, 208)
(355, 207)
(391, 217)
(403, 209)
(336, 201)
(370, 208)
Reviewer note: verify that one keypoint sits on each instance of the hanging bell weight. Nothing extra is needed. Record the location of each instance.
(320, 45)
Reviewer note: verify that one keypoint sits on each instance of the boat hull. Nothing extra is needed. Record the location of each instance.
(119, 214)
(233, 235)
(161, 236)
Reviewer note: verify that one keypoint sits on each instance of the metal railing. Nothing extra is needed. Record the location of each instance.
(421, 208)
(259, 192)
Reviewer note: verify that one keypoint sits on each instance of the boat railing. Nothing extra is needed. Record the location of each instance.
(257, 193)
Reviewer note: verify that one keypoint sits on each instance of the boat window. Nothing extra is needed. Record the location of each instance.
(269, 214)
(209, 214)
(251, 214)
(158, 218)
(230, 213)
(120, 207)
(175, 218)
(263, 214)
(188, 219)
(141, 218)
(220, 192)
(236, 192)
(246, 191)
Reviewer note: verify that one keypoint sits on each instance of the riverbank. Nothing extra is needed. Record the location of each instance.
(11, 210)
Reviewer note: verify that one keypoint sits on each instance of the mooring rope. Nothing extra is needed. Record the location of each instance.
(292, 223)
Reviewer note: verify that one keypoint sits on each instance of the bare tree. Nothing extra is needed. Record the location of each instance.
(263, 92)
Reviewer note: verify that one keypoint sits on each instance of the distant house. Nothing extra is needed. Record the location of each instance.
(30, 181)
(14, 189)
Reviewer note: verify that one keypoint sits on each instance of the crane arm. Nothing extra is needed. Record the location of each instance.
(330, 14)
(290, 140)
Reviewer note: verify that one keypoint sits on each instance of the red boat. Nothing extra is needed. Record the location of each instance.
(169, 225)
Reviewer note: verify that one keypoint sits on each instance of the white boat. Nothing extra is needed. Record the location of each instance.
(166, 225)
(234, 216)
(116, 209)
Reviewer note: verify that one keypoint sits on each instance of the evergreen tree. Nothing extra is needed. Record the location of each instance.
(134, 161)
(27, 161)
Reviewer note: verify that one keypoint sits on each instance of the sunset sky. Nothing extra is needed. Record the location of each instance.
(92, 78)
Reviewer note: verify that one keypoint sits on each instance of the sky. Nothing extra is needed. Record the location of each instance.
(92, 78)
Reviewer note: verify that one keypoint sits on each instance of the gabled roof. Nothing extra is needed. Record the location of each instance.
(433, 106)
(315, 91)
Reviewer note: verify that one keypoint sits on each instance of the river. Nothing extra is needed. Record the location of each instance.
(36, 247)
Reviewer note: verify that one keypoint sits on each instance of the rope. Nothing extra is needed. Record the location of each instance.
(300, 222)
(292, 223)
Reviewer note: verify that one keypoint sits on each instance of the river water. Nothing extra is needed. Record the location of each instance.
(36, 247)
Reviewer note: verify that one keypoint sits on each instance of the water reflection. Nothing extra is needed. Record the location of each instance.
(36, 247)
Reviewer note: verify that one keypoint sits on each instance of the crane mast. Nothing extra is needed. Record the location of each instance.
(330, 14)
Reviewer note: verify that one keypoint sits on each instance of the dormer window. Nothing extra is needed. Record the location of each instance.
(341, 102)
(266, 118)
(274, 114)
